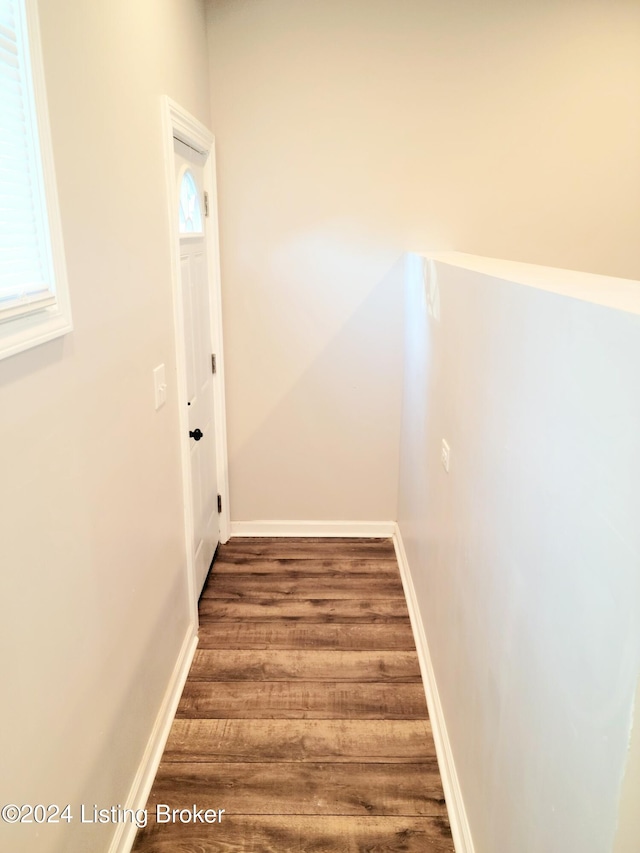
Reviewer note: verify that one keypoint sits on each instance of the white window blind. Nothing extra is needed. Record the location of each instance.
(27, 280)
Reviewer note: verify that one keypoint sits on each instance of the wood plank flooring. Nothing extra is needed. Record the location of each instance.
(303, 716)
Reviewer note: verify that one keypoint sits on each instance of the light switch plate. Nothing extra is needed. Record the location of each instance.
(160, 386)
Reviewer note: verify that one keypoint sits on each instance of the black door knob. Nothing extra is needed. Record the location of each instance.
(196, 434)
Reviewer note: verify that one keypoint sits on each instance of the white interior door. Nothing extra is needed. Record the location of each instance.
(198, 356)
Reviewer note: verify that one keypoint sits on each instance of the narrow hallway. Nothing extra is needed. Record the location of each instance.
(303, 716)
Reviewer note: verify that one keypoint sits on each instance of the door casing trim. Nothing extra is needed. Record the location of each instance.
(177, 122)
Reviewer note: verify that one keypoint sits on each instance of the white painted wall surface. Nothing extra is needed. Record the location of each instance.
(525, 556)
(349, 132)
(320, 390)
(93, 607)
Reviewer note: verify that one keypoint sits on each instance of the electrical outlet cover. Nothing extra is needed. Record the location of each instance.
(445, 455)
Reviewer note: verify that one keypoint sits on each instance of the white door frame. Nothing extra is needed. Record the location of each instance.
(179, 123)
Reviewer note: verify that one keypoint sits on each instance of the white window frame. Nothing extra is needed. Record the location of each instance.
(35, 322)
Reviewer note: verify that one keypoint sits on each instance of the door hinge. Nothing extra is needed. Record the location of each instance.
(219, 503)
(206, 204)
(213, 363)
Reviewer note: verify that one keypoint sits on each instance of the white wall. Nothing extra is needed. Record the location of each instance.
(349, 132)
(93, 607)
(321, 395)
(525, 555)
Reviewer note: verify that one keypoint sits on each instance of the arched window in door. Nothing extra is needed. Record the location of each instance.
(190, 213)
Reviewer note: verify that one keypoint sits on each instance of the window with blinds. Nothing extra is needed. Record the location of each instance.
(33, 299)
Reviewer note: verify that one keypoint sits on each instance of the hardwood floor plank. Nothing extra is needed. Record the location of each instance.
(317, 586)
(270, 665)
(302, 699)
(300, 834)
(250, 740)
(308, 610)
(299, 635)
(302, 789)
(303, 716)
(236, 564)
(312, 548)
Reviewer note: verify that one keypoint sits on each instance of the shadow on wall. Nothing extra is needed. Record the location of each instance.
(331, 438)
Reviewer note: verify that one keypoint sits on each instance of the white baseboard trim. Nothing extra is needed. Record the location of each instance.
(126, 832)
(367, 529)
(460, 828)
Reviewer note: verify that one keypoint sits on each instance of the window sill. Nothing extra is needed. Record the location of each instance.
(22, 333)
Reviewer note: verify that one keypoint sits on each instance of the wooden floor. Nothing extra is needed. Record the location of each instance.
(304, 715)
